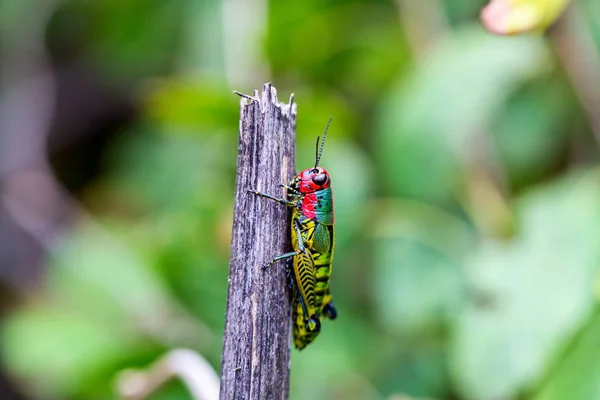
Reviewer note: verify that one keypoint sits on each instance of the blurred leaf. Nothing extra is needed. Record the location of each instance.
(195, 268)
(428, 123)
(199, 107)
(462, 11)
(416, 284)
(95, 274)
(419, 370)
(315, 106)
(576, 376)
(186, 225)
(591, 13)
(530, 135)
(532, 294)
(201, 45)
(173, 171)
(418, 251)
(11, 15)
(362, 60)
(94, 256)
(136, 37)
(57, 352)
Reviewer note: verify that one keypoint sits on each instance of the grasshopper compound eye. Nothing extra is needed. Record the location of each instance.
(320, 179)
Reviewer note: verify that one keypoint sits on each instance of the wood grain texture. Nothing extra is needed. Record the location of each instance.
(256, 349)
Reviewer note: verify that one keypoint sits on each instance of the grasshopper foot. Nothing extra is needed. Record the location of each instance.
(330, 311)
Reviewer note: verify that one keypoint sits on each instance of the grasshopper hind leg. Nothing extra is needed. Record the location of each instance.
(328, 307)
(289, 268)
(285, 256)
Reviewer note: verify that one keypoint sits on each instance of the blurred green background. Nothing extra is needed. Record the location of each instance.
(465, 168)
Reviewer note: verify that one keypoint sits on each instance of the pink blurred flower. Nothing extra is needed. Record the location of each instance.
(509, 17)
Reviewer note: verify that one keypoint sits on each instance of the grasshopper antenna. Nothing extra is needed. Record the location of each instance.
(319, 150)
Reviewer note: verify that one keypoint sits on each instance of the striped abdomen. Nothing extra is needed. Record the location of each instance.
(302, 336)
(322, 263)
(318, 239)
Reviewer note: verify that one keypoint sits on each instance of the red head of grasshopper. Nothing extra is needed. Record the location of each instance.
(312, 179)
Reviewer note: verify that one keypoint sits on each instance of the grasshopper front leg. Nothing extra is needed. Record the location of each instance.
(285, 202)
(290, 189)
(301, 248)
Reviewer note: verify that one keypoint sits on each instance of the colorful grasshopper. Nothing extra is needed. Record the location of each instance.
(310, 195)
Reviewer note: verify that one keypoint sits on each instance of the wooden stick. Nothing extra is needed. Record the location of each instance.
(256, 349)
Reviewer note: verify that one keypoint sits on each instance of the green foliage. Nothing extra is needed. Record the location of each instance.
(430, 118)
(576, 377)
(538, 289)
(467, 201)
